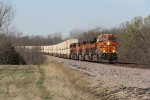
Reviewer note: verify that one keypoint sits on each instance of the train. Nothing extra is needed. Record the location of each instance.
(100, 49)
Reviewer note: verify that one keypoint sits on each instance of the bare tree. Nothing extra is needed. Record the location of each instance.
(6, 15)
(75, 33)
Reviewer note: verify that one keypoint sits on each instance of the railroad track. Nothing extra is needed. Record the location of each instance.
(120, 64)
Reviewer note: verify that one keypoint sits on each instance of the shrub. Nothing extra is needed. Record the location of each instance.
(32, 56)
(8, 55)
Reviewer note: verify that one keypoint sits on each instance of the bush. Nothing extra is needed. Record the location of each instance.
(8, 55)
(32, 56)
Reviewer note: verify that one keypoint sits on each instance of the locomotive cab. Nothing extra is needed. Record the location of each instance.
(107, 47)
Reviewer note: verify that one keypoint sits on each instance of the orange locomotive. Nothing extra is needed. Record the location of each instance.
(103, 47)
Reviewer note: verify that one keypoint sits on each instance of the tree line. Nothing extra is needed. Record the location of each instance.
(134, 40)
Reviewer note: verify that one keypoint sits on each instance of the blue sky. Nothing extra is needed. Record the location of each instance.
(41, 17)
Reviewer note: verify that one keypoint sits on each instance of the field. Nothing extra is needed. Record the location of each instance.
(51, 81)
(63, 79)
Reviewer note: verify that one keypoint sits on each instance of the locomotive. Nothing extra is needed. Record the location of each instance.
(101, 48)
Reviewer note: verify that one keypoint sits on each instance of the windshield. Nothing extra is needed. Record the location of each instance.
(102, 39)
(112, 39)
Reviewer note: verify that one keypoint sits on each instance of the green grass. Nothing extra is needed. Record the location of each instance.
(45, 95)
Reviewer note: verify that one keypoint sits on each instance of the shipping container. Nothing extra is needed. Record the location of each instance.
(61, 46)
(71, 41)
(68, 53)
(49, 49)
(59, 49)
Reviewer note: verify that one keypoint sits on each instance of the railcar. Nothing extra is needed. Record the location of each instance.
(107, 47)
(101, 48)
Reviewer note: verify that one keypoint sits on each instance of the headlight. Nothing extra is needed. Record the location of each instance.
(104, 51)
(114, 51)
(108, 43)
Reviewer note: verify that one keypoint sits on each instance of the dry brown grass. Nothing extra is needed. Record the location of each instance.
(51, 81)
(18, 83)
(65, 83)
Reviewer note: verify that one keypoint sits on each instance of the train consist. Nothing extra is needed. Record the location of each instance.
(101, 48)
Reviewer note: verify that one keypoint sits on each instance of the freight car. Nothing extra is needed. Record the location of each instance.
(59, 50)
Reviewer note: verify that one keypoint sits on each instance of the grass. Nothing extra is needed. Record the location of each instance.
(66, 83)
(44, 93)
(16, 82)
(51, 81)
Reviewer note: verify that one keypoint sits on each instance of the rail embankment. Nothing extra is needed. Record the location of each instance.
(107, 81)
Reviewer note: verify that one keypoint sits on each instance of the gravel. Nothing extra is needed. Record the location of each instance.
(130, 82)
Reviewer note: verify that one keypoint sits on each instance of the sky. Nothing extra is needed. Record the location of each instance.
(42, 17)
